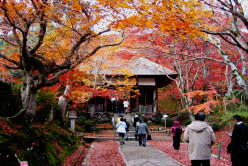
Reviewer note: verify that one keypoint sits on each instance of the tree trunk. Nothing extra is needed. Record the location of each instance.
(239, 78)
(28, 92)
(51, 115)
(62, 103)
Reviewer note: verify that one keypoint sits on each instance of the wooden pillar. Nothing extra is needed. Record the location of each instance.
(155, 99)
(137, 103)
(105, 107)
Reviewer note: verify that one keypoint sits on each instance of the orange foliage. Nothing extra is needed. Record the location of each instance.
(209, 96)
(181, 18)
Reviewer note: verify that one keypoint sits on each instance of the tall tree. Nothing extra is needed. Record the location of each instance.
(228, 29)
(47, 38)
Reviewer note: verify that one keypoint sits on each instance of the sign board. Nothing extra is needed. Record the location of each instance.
(72, 115)
(146, 81)
(165, 116)
(23, 163)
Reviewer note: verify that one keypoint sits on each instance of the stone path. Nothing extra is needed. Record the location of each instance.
(136, 155)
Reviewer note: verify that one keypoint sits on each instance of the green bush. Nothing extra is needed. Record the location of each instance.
(86, 124)
(169, 122)
(40, 145)
(45, 100)
(157, 119)
(186, 122)
(183, 118)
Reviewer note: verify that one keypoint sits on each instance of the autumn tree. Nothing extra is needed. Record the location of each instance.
(181, 18)
(45, 39)
(228, 29)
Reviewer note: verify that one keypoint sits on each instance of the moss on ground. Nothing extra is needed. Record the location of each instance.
(39, 144)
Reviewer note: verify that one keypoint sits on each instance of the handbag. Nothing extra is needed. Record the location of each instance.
(149, 137)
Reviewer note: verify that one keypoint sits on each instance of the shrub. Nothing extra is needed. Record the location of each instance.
(87, 125)
(169, 122)
(45, 100)
(183, 118)
(157, 119)
(10, 99)
(217, 126)
(46, 144)
(186, 122)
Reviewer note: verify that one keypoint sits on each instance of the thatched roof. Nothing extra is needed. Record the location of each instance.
(135, 66)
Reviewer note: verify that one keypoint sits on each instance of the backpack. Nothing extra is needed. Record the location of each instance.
(178, 131)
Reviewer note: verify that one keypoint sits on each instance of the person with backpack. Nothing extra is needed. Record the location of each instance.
(238, 148)
(121, 130)
(177, 132)
(200, 136)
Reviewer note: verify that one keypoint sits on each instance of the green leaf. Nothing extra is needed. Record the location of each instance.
(3, 139)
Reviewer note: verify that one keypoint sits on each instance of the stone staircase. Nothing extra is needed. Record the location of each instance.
(129, 118)
(112, 135)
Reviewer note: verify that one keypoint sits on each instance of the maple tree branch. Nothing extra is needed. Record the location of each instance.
(223, 34)
(230, 9)
(9, 18)
(82, 39)
(10, 67)
(7, 41)
(65, 67)
(54, 79)
(77, 44)
(103, 46)
(9, 60)
(42, 33)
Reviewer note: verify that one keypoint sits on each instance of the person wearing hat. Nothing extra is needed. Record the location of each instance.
(200, 137)
(238, 148)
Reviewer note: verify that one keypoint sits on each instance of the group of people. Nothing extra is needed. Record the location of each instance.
(119, 106)
(141, 130)
(200, 137)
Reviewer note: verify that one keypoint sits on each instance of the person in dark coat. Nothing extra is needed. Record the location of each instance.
(142, 130)
(127, 129)
(135, 122)
(177, 132)
(238, 147)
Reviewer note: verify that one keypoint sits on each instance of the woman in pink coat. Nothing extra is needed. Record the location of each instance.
(177, 132)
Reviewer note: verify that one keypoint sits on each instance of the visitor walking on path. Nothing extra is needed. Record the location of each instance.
(121, 130)
(142, 131)
(127, 128)
(135, 123)
(238, 148)
(177, 132)
(135, 120)
(126, 106)
(200, 137)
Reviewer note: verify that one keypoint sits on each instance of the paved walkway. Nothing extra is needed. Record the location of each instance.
(136, 155)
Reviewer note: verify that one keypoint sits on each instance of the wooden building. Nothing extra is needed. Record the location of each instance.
(147, 77)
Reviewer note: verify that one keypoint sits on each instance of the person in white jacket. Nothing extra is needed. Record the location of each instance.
(200, 137)
(121, 130)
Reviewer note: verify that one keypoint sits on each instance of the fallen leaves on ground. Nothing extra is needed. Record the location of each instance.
(77, 157)
(105, 153)
(224, 140)
(182, 154)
